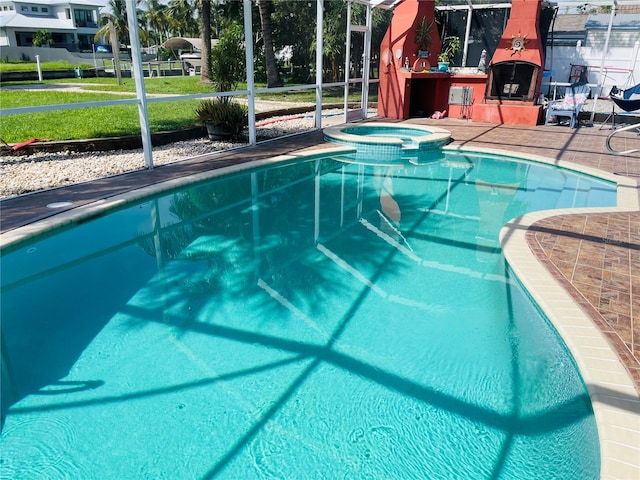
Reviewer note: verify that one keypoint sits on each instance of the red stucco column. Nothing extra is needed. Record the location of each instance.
(398, 45)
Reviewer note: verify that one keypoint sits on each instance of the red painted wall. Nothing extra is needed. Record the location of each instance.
(397, 45)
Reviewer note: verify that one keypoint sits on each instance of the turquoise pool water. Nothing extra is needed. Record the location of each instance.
(312, 320)
(406, 134)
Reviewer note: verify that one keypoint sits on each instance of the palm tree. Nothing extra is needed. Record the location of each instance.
(118, 15)
(273, 76)
(205, 17)
(157, 21)
(183, 22)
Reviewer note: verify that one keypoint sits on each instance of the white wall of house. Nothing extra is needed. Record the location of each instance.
(6, 39)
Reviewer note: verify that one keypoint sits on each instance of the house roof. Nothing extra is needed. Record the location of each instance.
(570, 23)
(17, 20)
(81, 3)
(578, 23)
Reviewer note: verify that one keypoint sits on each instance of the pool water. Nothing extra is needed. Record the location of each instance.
(316, 319)
(404, 133)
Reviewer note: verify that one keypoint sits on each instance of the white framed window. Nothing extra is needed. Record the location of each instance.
(24, 8)
(34, 9)
(44, 9)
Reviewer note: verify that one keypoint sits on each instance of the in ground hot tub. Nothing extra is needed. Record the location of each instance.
(384, 142)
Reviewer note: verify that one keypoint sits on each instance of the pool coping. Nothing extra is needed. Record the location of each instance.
(616, 402)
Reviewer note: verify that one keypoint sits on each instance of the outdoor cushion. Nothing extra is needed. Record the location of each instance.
(572, 102)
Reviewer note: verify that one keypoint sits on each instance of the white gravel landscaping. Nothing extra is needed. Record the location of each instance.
(40, 171)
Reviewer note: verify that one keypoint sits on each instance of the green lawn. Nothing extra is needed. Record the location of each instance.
(33, 66)
(115, 120)
(28, 98)
(177, 85)
(183, 85)
(95, 121)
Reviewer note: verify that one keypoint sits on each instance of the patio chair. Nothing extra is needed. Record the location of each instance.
(571, 105)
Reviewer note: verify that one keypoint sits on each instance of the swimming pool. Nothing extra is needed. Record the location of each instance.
(318, 319)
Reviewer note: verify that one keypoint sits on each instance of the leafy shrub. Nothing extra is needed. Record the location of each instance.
(42, 38)
(228, 59)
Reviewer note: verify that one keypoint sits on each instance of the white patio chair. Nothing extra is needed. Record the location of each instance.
(570, 106)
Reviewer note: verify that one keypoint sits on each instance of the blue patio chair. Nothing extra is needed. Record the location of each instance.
(571, 105)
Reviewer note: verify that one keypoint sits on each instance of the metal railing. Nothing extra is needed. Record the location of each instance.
(618, 130)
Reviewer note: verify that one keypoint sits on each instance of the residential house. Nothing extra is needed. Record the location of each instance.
(72, 24)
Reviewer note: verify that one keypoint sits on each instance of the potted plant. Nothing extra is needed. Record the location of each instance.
(223, 119)
(450, 45)
(424, 29)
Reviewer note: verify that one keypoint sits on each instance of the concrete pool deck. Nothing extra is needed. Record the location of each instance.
(583, 268)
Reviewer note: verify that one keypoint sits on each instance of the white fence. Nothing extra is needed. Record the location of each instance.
(621, 66)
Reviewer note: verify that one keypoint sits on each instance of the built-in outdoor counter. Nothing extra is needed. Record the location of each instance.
(461, 94)
(427, 92)
(433, 91)
(465, 91)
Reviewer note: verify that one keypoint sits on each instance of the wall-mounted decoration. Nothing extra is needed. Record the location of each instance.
(518, 44)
